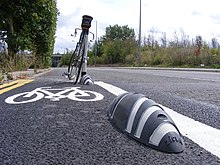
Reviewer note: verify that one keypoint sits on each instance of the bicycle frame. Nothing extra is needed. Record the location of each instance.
(85, 57)
(86, 24)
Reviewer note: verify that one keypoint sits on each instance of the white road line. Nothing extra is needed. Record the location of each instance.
(113, 89)
(205, 136)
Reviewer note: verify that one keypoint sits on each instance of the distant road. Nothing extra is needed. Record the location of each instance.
(193, 73)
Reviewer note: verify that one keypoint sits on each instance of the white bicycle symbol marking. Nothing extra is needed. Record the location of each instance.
(72, 93)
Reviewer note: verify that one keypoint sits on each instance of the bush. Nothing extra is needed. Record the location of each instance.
(102, 60)
(65, 59)
(216, 66)
(131, 59)
(1, 78)
(157, 60)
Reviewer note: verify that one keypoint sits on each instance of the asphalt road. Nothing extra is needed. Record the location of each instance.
(66, 131)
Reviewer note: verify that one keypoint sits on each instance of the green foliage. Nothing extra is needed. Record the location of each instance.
(97, 48)
(29, 25)
(131, 59)
(118, 42)
(119, 46)
(216, 66)
(199, 41)
(23, 62)
(65, 59)
(102, 60)
(1, 78)
(113, 50)
(42, 30)
(215, 51)
(119, 32)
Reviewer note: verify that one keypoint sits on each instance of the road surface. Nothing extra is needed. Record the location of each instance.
(76, 130)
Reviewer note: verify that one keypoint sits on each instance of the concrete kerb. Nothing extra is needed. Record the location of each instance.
(27, 74)
(173, 69)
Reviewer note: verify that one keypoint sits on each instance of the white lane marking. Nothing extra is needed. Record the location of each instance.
(113, 89)
(202, 134)
(205, 136)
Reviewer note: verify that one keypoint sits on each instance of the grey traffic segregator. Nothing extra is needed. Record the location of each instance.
(86, 80)
(145, 121)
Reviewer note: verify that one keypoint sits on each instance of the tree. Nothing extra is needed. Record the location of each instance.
(199, 41)
(42, 30)
(164, 40)
(98, 48)
(118, 42)
(199, 45)
(11, 17)
(29, 25)
(119, 32)
(215, 43)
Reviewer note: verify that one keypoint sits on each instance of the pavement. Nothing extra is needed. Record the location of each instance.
(25, 74)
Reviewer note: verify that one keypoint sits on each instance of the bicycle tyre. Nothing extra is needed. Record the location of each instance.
(79, 68)
(71, 67)
(76, 61)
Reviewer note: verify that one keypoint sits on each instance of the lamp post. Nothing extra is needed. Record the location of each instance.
(96, 42)
(139, 40)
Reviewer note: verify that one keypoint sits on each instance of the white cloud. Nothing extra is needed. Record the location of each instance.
(194, 17)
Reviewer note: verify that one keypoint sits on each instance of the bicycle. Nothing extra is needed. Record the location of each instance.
(72, 93)
(78, 63)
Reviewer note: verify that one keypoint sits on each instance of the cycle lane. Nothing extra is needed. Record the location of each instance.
(75, 132)
(32, 130)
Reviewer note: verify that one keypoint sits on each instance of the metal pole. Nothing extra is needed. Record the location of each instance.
(96, 49)
(139, 40)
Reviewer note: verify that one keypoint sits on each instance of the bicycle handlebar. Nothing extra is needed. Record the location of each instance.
(75, 33)
(86, 24)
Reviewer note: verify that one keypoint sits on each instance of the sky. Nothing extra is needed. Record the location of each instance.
(194, 17)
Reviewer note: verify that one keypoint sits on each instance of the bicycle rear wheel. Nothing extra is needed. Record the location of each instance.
(79, 67)
(72, 67)
(75, 63)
